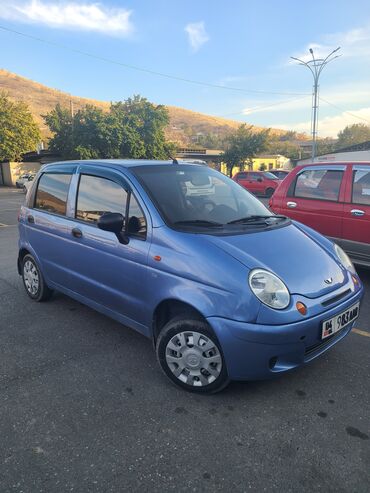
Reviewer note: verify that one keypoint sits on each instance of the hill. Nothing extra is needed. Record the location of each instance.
(184, 126)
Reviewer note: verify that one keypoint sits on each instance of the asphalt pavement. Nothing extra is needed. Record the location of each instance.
(85, 407)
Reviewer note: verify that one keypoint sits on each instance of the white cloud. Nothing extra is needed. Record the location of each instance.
(353, 43)
(344, 95)
(69, 15)
(197, 34)
(329, 126)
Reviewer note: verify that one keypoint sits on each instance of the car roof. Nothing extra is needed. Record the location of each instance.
(329, 163)
(125, 163)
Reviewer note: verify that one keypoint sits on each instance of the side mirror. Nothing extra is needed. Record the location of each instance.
(113, 222)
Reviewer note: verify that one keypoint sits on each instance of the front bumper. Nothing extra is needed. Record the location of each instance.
(255, 351)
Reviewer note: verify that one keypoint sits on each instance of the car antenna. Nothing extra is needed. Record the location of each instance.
(174, 160)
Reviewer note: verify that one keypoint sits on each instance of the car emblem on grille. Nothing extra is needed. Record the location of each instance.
(329, 280)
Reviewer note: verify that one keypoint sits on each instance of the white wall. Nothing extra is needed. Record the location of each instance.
(339, 156)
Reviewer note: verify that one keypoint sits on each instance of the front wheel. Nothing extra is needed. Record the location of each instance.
(189, 354)
(33, 280)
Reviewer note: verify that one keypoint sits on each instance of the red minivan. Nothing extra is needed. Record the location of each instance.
(258, 182)
(332, 198)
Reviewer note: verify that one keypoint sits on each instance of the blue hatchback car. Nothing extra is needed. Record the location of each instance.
(184, 255)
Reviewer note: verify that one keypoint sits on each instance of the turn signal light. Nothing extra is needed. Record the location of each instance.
(355, 281)
(301, 307)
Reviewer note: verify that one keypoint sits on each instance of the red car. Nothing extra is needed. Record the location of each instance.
(258, 182)
(332, 198)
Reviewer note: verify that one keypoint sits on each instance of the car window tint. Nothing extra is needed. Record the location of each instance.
(98, 195)
(136, 222)
(361, 187)
(254, 176)
(320, 184)
(242, 176)
(52, 193)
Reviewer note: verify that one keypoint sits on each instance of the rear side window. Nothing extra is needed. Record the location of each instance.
(242, 176)
(52, 193)
(361, 187)
(98, 195)
(320, 184)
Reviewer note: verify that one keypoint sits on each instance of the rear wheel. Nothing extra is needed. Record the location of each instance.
(269, 192)
(33, 280)
(190, 355)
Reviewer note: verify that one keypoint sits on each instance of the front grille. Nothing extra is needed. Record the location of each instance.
(336, 298)
(319, 346)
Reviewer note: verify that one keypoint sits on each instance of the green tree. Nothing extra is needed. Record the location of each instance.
(142, 124)
(60, 122)
(353, 134)
(18, 131)
(285, 148)
(132, 129)
(243, 145)
(325, 146)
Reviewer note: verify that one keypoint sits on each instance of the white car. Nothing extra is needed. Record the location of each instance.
(27, 184)
(23, 178)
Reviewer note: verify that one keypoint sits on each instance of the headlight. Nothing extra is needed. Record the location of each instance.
(344, 259)
(269, 289)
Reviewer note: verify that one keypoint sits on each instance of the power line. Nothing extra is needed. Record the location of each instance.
(344, 111)
(145, 70)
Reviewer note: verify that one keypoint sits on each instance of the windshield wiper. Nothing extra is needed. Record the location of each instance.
(255, 219)
(198, 222)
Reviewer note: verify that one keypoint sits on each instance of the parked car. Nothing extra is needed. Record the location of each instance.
(258, 182)
(23, 178)
(197, 275)
(334, 199)
(280, 173)
(27, 184)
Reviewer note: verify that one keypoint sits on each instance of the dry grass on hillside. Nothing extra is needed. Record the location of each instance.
(41, 99)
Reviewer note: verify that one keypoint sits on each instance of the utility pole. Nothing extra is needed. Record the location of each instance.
(316, 66)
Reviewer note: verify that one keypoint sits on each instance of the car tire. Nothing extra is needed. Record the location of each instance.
(192, 369)
(269, 192)
(33, 280)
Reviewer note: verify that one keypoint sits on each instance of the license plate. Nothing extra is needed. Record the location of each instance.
(333, 325)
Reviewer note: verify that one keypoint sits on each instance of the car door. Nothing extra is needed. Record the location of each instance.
(109, 274)
(315, 197)
(47, 227)
(242, 178)
(250, 182)
(356, 214)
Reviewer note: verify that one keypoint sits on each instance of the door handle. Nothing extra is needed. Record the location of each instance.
(291, 205)
(77, 233)
(30, 219)
(357, 212)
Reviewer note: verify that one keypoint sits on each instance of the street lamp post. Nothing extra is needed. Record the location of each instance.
(316, 66)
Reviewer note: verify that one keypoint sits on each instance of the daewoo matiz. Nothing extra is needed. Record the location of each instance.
(181, 253)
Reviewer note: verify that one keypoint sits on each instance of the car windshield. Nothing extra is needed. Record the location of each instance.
(193, 197)
(269, 176)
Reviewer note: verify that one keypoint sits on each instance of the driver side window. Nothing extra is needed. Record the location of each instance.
(96, 196)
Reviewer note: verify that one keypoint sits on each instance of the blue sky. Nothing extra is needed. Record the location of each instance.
(235, 44)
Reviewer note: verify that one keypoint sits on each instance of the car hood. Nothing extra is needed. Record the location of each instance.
(293, 255)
